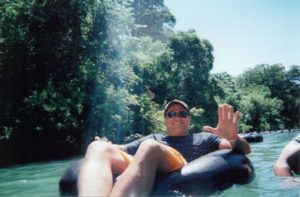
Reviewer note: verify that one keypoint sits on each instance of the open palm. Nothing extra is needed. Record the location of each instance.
(228, 123)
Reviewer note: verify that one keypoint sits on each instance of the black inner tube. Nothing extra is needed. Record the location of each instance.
(253, 137)
(206, 175)
(294, 162)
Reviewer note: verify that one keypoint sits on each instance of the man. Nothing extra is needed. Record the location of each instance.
(289, 159)
(155, 153)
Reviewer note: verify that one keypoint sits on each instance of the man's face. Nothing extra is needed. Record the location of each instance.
(178, 124)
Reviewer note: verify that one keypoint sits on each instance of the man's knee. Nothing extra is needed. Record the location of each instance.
(150, 147)
(165, 158)
(100, 149)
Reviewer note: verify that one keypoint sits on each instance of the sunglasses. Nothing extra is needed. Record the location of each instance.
(181, 114)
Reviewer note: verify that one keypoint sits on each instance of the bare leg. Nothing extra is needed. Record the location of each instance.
(138, 178)
(101, 161)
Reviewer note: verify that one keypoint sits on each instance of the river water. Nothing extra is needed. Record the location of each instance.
(41, 179)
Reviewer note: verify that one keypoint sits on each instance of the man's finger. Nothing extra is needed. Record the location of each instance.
(225, 112)
(236, 117)
(220, 113)
(230, 113)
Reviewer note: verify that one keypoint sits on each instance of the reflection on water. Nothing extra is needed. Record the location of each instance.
(41, 179)
(263, 156)
(38, 179)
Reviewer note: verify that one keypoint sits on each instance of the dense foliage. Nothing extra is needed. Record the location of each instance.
(70, 70)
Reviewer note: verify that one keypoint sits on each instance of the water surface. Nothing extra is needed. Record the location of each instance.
(266, 184)
(41, 179)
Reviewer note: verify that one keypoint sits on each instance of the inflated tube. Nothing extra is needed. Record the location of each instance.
(206, 175)
(294, 162)
(253, 137)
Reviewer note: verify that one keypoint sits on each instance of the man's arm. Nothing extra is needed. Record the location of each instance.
(239, 144)
(227, 129)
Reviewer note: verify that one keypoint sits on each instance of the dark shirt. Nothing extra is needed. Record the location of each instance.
(190, 146)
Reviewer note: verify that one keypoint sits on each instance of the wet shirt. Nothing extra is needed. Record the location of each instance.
(190, 146)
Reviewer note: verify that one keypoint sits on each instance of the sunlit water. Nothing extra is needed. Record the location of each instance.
(41, 179)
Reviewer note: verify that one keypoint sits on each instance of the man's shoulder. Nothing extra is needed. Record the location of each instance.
(203, 134)
(206, 136)
(207, 140)
(153, 136)
(157, 135)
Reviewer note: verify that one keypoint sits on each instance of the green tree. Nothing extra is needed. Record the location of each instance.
(192, 62)
(182, 72)
(225, 89)
(51, 52)
(259, 111)
(282, 84)
(13, 62)
(153, 19)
